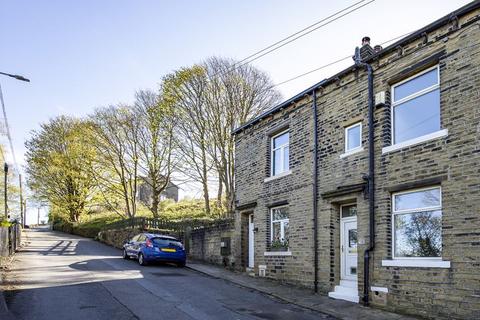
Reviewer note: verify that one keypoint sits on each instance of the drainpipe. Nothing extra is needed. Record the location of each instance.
(369, 178)
(315, 183)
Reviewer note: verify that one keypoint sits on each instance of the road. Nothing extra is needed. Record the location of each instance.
(61, 276)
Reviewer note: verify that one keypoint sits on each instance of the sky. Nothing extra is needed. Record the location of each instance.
(84, 54)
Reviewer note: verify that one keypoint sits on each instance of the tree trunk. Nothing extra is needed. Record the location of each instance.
(155, 201)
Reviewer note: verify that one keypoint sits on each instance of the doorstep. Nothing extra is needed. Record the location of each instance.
(347, 290)
(301, 297)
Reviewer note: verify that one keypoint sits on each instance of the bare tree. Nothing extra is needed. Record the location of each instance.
(115, 136)
(184, 91)
(156, 144)
(236, 94)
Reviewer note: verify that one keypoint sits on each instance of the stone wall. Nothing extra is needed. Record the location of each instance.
(117, 238)
(451, 162)
(204, 244)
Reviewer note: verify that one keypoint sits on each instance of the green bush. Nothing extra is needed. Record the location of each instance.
(4, 222)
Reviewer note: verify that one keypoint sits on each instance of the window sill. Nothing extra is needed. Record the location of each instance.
(420, 263)
(278, 176)
(412, 142)
(277, 253)
(349, 153)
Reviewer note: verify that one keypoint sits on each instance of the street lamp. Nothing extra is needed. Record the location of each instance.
(5, 167)
(16, 76)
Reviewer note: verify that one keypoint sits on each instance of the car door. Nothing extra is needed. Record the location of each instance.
(129, 246)
(138, 243)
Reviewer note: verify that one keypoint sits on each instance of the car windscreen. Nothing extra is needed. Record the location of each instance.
(166, 242)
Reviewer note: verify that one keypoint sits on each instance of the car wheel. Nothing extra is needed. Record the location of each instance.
(181, 264)
(141, 260)
(125, 255)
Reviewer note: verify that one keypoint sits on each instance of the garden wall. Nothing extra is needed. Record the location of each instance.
(205, 244)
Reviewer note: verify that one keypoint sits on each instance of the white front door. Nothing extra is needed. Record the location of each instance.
(348, 245)
(251, 242)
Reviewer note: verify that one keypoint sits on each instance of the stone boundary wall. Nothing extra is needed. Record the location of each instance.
(205, 244)
(116, 238)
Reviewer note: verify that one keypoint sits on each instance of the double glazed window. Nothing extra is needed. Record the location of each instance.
(353, 137)
(417, 223)
(416, 106)
(280, 153)
(279, 228)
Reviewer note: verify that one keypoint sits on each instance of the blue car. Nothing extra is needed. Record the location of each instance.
(149, 247)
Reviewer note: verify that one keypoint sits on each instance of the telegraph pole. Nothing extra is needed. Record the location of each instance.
(24, 212)
(21, 200)
(5, 170)
(38, 216)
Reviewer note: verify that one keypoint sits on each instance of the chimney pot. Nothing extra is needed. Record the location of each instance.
(377, 48)
(365, 41)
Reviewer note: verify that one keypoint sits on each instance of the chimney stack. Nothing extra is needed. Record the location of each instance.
(366, 50)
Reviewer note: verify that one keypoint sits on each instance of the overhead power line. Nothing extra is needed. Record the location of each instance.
(297, 35)
(331, 63)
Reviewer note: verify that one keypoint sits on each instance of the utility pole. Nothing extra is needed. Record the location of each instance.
(38, 217)
(24, 212)
(21, 200)
(5, 170)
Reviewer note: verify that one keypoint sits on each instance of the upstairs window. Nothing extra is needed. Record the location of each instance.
(416, 106)
(417, 223)
(280, 153)
(353, 137)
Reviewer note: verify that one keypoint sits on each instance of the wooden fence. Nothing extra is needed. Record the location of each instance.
(164, 224)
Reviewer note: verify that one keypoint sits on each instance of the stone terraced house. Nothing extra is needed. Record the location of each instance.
(366, 186)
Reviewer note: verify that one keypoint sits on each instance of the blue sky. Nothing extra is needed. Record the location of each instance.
(85, 54)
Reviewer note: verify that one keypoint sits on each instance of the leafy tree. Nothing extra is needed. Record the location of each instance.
(58, 157)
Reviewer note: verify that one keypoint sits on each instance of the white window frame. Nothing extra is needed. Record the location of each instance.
(360, 147)
(282, 221)
(413, 210)
(395, 103)
(282, 154)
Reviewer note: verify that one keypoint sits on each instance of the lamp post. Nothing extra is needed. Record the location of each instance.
(15, 76)
(5, 167)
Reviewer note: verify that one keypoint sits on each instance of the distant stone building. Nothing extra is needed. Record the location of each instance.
(144, 193)
(370, 191)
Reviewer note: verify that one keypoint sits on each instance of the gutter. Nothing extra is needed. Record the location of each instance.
(315, 192)
(415, 35)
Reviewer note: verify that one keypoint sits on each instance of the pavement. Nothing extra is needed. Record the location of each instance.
(63, 276)
(300, 297)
